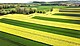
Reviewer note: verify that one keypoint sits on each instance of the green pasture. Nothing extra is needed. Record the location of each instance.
(5, 42)
(42, 8)
(62, 7)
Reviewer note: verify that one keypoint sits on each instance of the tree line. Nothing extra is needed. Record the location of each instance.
(20, 10)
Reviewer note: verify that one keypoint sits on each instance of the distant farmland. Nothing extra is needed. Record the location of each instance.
(58, 27)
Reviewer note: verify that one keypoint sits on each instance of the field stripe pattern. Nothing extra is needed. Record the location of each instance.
(65, 33)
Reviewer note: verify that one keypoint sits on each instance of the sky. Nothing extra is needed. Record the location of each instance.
(24, 1)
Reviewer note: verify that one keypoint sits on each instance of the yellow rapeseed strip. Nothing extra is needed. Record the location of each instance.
(56, 24)
(1, 17)
(39, 36)
(73, 8)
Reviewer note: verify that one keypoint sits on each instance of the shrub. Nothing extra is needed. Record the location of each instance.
(22, 10)
(3, 12)
(37, 11)
(41, 12)
(44, 12)
(12, 11)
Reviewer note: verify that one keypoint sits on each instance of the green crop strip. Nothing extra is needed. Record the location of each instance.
(69, 10)
(20, 41)
(4, 42)
(50, 29)
(58, 20)
(64, 14)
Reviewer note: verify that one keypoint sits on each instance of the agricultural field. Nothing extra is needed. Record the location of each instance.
(58, 27)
